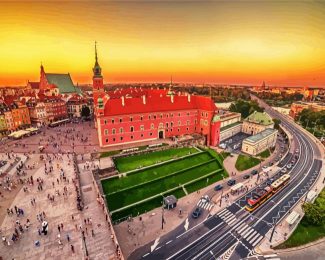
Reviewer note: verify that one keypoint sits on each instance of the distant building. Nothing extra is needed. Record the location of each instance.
(56, 109)
(20, 115)
(256, 123)
(297, 107)
(254, 145)
(75, 105)
(282, 110)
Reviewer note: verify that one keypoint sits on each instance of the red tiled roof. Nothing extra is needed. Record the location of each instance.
(156, 103)
(34, 85)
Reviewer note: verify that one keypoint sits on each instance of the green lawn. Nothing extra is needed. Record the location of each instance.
(264, 154)
(145, 206)
(245, 162)
(110, 153)
(145, 175)
(305, 231)
(132, 195)
(158, 180)
(133, 162)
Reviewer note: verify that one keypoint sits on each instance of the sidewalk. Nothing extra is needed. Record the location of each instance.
(100, 246)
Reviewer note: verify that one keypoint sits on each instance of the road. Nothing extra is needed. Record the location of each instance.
(233, 232)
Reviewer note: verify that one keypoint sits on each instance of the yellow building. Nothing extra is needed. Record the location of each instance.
(256, 123)
(230, 125)
(260, 142)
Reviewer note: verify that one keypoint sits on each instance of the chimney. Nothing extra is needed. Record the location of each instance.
(144, 99)
(123, 102)
(189, 98)
(172, 98)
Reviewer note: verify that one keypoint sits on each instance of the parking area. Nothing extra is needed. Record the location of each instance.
(234, 143)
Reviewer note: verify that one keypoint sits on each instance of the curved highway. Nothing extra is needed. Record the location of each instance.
(233, 232)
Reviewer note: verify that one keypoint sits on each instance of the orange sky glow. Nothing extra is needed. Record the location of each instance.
(199, 42)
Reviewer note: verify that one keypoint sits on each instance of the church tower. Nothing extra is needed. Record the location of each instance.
(98, 84)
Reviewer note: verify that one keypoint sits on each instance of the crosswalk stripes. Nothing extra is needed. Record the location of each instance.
(205, 205)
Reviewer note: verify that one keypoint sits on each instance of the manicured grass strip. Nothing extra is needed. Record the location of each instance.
(145, 175)
(124, 198)
(245, 162)
(110, 153)
(200, 184)
(264, 154)
(133, 162)
(146, 206)
(303, 234)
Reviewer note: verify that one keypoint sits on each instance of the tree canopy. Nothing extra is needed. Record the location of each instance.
(85, 111)
(245, 107)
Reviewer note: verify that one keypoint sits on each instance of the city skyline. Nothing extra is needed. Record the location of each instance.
(229, 43)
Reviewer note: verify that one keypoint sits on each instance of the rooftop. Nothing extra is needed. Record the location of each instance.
(258, 137)
(63, 82)
(229, 126)
(260, 118)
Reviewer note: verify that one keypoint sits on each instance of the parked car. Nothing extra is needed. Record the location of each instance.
(254, 172)
(231, 182)
(246, 176)
(197, 212)
(289, 166)
(218, 187)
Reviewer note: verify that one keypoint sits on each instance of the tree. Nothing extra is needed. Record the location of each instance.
(314, 214)
(245, 108)
(277, 123)
(85, 111)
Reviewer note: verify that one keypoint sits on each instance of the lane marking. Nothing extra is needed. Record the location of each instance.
(169, 242)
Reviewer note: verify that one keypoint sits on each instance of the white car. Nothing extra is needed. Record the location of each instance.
(289, 166)
(205, 198)
(284, 170)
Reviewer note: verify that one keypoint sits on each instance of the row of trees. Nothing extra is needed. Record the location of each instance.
(311, 119)
(245, 107)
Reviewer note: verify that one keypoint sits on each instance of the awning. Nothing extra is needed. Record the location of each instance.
(293, 217)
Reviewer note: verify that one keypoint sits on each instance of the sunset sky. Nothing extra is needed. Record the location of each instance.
(211, 42)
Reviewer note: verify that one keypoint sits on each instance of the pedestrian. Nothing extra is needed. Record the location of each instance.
(72, 249)
(68, 237)
(59, 228)
(62, 226)
(92, 233)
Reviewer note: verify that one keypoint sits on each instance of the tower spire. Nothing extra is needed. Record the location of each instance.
(96, 52)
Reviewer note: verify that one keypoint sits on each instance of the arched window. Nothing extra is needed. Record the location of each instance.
(131, 128)
(113, 131)
(121, 130)
(152, 126)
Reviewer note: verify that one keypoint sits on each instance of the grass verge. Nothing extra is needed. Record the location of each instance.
(245, 162)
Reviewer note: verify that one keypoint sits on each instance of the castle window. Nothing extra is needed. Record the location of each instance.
(179, 114)
(141, 118)
(112, 121)
(179, 122)
(120, 120)
(106, 132)
(131, 128)
(113, 139)
(166, 124)
(152, 126)
(121, 138)
(141, 135)
(161, 115)
(142, 127)
(105, 122)
(121, 130)
(178, 130)
(150, 134)
(131, 119)
(131, 136)
(186, 128)
(188, 122)
(171, 124)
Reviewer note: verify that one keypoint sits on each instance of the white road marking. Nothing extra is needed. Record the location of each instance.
(155, 244)
(257, 241)
(145, 254)
(248, 233)
(254, 238)
(169, 242)
(251, 235)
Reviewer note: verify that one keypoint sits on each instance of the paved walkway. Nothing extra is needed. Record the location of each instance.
(100, 246)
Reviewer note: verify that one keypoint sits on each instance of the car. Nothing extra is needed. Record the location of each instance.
(231, 182)
(264, 167)
(218, 187)
(246, 176)
(284, 170)
(197, 212)
(270, 163)
(289, 166)
(205, 199)
(269, 181)
(254, 172)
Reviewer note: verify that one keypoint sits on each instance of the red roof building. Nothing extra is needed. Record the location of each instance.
(134, 115)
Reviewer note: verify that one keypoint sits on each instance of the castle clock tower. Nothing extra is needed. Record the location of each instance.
(98, 84)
